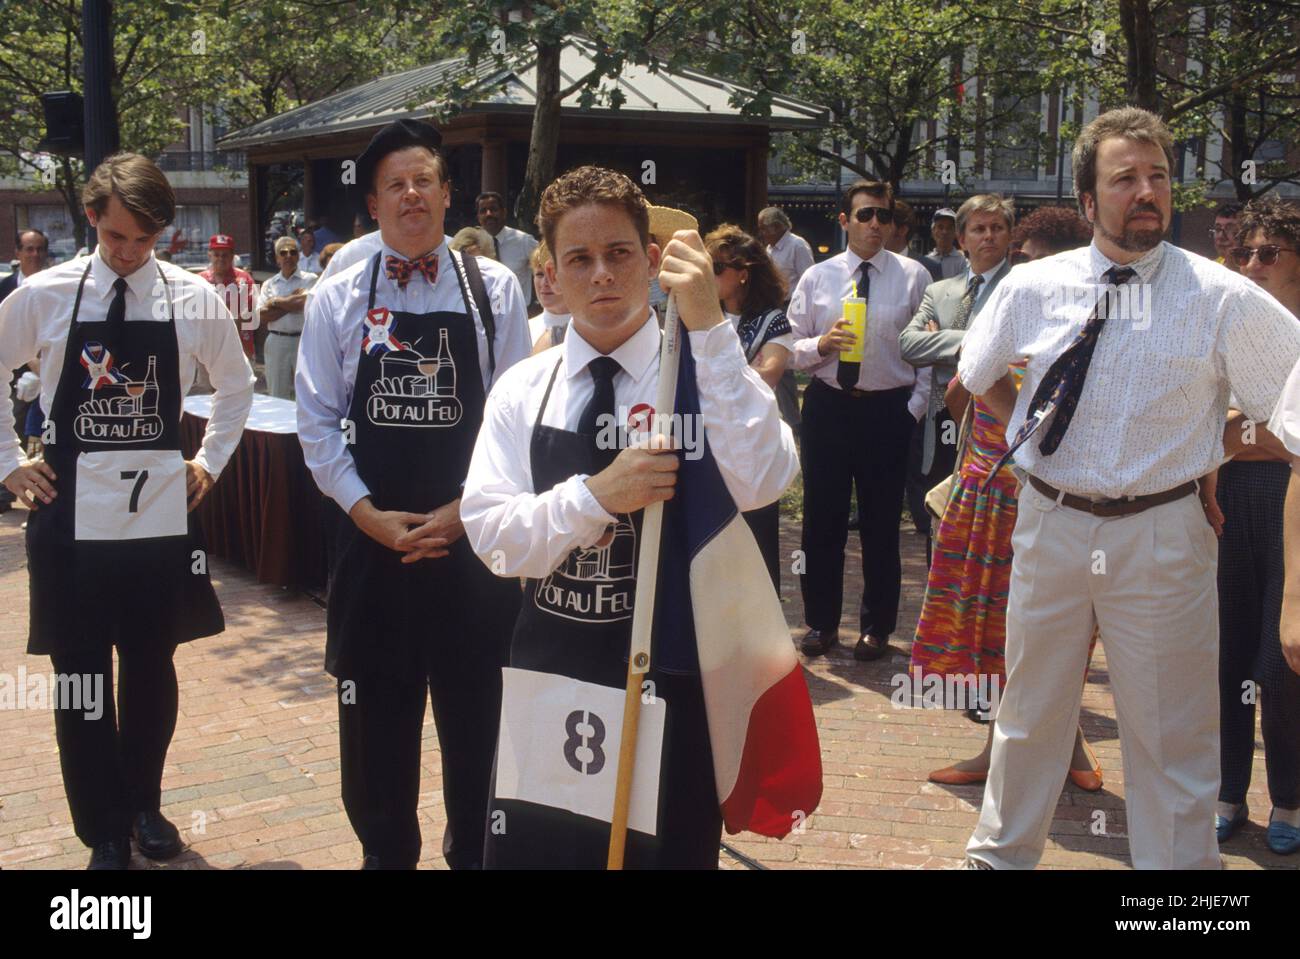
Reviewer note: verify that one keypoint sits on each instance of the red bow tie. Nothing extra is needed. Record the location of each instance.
(401, 270)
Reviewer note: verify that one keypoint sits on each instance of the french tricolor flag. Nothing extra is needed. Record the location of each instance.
(715, 605)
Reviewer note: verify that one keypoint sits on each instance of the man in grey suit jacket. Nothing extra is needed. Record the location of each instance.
(935, 333)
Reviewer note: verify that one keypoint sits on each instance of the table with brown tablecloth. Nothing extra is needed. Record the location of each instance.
(265, 512)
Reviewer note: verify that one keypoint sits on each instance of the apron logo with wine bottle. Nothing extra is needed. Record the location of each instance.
(596, 584)
(413, 389)
(120, 409)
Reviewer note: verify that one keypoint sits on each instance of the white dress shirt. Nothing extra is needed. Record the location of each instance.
(897, 288)
(514, 247)
(331, 349)
(951, 263)
(309, 262)
(35, 319)
(280, 285)
(1151, 413)
(544, 321)
(792, 256)
(1285, 421)
(522, 533)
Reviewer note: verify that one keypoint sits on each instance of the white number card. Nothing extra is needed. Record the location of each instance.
(558, 746)
(130, 494)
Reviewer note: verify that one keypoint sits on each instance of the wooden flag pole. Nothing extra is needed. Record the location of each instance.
(663, 223)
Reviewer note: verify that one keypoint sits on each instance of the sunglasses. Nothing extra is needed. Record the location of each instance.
(863, 214)
(1220, 231)
(288, 253)
(1268, 253)
(719, 266)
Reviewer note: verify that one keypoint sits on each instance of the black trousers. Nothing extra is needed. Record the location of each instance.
(765, 524)
(918, 483)
(1251, 576)
(381, 730)
(853, 440)
(113, 763)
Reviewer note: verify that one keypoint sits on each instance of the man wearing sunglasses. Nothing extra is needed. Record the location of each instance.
(858, 419)
(284, 296)
(1224, 233)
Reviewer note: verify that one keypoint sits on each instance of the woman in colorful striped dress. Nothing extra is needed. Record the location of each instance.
(962, 630)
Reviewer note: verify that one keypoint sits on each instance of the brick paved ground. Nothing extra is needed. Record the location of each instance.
(252, 778)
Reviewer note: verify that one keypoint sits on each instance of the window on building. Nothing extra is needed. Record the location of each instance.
(1013, 136)
(54, 221)
(187, 238)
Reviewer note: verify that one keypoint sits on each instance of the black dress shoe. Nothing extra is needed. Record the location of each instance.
(870, 648)
(155, 837)
(817, 642)
(110, 854)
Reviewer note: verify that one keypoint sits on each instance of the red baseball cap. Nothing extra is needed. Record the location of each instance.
(221, 242)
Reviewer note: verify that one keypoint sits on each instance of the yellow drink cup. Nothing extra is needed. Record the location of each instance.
(855, 311)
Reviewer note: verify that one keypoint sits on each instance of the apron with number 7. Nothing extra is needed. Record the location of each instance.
(562, 703)
(116, 558)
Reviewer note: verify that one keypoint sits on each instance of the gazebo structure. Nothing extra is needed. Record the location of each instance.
(676, 133)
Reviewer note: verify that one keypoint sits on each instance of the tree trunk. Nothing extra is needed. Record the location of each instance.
(545, 136)
(1140, 39)
(1235, 146)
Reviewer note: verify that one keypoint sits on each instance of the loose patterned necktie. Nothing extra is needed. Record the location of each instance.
(967, 303)
(400, 271)
(1060, 389)
(847, 373)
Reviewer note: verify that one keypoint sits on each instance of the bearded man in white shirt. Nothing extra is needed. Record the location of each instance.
(1133, 346)
(114, 557)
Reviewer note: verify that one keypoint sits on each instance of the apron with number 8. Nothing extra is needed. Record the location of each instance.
(116, 557)
(561, 714)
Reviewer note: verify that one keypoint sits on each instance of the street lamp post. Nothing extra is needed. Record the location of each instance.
(100, 110)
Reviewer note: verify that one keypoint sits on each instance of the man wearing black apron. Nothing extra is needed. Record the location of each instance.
(548, 498)
(114, 559)
(398, 353)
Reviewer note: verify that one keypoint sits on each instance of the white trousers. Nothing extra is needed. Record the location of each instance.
(1148, 579)
(281, 354)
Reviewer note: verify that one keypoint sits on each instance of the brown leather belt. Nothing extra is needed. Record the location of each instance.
(1112, 507)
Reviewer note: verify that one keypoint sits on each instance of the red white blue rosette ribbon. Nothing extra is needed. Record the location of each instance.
(380, 336)
(98, 361)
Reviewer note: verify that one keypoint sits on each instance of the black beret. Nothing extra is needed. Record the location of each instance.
(398, 135)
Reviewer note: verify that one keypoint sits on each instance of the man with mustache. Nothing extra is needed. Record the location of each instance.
(1133, 346)
(398, 354)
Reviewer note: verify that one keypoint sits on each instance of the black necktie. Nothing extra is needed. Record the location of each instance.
(601, 405)
(116, 319)
(1060, 389)
(847, 373)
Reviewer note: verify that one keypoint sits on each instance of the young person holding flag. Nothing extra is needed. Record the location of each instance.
(556, 495)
